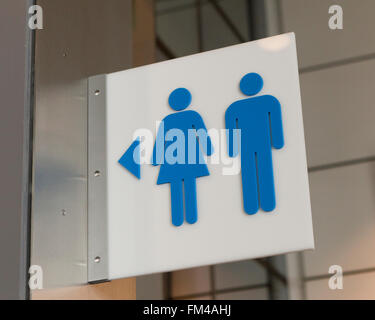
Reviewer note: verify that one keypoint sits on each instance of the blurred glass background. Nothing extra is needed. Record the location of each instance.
(337, 75)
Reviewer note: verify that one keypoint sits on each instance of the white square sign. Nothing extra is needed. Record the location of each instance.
(181, 214)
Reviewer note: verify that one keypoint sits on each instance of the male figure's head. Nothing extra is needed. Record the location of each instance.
(251, 84)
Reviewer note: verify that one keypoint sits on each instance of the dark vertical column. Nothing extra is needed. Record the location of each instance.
(198, 5)
(15, 141)
(257, 19)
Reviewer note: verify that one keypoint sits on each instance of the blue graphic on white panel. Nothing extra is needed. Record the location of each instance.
(260, 122)
(182, 139)
(182, 164)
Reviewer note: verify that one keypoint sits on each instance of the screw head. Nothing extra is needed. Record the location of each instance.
(97, 92)
(63, 212)
(97, 173)
(97, 259)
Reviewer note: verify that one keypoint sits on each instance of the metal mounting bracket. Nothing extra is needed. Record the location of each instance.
(97, 181)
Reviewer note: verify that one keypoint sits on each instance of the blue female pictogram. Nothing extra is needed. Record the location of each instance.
(181, 140)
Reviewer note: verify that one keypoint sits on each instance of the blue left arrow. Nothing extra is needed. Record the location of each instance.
(131, 159)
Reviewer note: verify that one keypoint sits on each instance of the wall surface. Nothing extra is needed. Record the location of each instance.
(100, 38)
(337, 74)
(15, 57)
(177, 25)
(79, 39)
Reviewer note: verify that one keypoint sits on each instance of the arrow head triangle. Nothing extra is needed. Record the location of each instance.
(131, 159)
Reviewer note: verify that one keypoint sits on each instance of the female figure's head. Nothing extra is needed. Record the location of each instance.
(179, 99)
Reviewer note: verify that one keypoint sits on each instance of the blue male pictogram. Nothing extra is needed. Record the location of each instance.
(180, 141)
(260, 122)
